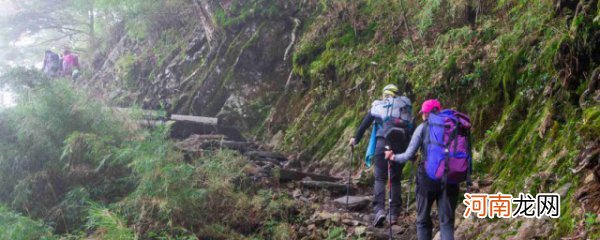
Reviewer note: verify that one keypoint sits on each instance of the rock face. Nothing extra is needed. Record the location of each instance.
(534, 228)
(221, 69)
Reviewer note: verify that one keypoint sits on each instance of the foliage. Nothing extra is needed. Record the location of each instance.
(17, 227)
(517, 68)
(109, 225)
(205, 193)
(336, 233)
(57, 144)
(22, 79)
(242, 11)
(148, 18)
(87, 162)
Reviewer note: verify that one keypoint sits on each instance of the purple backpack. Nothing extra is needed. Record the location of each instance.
(448, 150)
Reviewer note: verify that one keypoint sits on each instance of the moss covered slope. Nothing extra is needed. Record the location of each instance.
(525, 71)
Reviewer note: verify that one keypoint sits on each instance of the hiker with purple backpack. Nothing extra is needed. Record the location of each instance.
(444, 139)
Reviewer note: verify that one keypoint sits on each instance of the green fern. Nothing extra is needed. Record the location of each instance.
(108, 225)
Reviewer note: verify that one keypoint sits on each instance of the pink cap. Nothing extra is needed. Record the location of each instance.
(429, 105)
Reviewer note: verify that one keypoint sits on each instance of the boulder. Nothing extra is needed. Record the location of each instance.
(350, 222)
(533, 228)
(589, 178)
(360, 231)
(355, 203)
(562, 191)
(485, 182)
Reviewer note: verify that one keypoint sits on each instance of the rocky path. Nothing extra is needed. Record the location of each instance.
(324, 196)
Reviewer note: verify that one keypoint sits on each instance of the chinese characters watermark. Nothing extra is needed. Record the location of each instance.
(500, 205)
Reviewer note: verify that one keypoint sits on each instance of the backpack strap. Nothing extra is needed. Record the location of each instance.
(425, 138)
(425, 141)
(420, 164)
(388, 108)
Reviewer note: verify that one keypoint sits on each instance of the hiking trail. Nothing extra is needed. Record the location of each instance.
(322, 197)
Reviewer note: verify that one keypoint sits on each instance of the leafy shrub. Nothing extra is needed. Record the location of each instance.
(17, 227)
(108, 224)
(55, 143)
(204, 194)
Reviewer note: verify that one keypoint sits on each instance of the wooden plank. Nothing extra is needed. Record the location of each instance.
(198, 119)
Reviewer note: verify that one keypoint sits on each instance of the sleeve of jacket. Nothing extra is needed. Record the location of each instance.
(367, 121)
(413, 146)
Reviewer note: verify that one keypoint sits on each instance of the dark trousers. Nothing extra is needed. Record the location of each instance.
(427, 192)
(381, 180)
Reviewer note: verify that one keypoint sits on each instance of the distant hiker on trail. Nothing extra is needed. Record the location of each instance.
(391, 111)
(52, 64)
(444, 141)
(70, 64)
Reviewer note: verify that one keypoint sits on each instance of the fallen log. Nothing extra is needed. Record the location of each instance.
(197, 119)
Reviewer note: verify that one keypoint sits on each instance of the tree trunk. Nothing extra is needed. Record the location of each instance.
(92, 34)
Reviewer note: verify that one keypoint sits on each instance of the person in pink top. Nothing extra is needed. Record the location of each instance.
(70, 63)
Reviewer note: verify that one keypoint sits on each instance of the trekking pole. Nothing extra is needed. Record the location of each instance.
(410, 183)
(390, 194)
(349, 175)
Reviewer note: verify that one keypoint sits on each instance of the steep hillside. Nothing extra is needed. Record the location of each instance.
(526, 71)
(300, 75)
(215, 59)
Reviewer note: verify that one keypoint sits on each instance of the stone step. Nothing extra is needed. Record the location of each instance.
(258, 155)
(355, 203)
(333, 187)
(286, 175)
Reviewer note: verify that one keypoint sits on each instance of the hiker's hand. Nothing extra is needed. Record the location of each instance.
(352, 142)
(389, 155)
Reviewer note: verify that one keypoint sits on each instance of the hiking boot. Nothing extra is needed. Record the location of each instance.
(379, 219)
